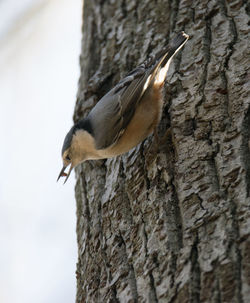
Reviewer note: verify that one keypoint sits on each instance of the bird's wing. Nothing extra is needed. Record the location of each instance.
(114, 111)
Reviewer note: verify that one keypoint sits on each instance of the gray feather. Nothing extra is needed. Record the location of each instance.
(111, 115)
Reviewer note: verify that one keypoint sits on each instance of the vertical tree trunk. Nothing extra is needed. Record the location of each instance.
(170, 225)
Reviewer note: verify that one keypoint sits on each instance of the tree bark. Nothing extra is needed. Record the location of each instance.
(170, 224)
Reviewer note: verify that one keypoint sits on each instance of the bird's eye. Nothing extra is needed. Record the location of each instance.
(68, 158)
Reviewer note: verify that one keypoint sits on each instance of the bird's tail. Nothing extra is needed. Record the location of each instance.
(166, 55)
(174, 46)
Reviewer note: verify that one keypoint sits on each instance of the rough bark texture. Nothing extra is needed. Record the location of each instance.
(171, 225)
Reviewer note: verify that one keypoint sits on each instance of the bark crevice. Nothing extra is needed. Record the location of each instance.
(195, 279)
(169, 224)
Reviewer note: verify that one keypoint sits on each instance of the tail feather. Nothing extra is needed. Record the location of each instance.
(174, 46)
(163, 64)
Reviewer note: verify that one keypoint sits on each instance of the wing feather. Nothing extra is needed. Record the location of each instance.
(111, 115)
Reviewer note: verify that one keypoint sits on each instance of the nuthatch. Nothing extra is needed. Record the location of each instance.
(125, 116)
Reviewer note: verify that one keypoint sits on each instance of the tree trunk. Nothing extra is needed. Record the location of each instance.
(170, 224)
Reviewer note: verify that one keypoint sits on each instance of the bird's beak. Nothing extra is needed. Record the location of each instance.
(63, 174)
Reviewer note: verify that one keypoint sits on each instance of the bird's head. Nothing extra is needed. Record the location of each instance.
(76, 148)
(68, 156)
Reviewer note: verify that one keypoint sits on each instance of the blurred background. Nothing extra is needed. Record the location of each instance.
(39, 71)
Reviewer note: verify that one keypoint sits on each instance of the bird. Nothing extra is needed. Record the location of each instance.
(123, 117)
